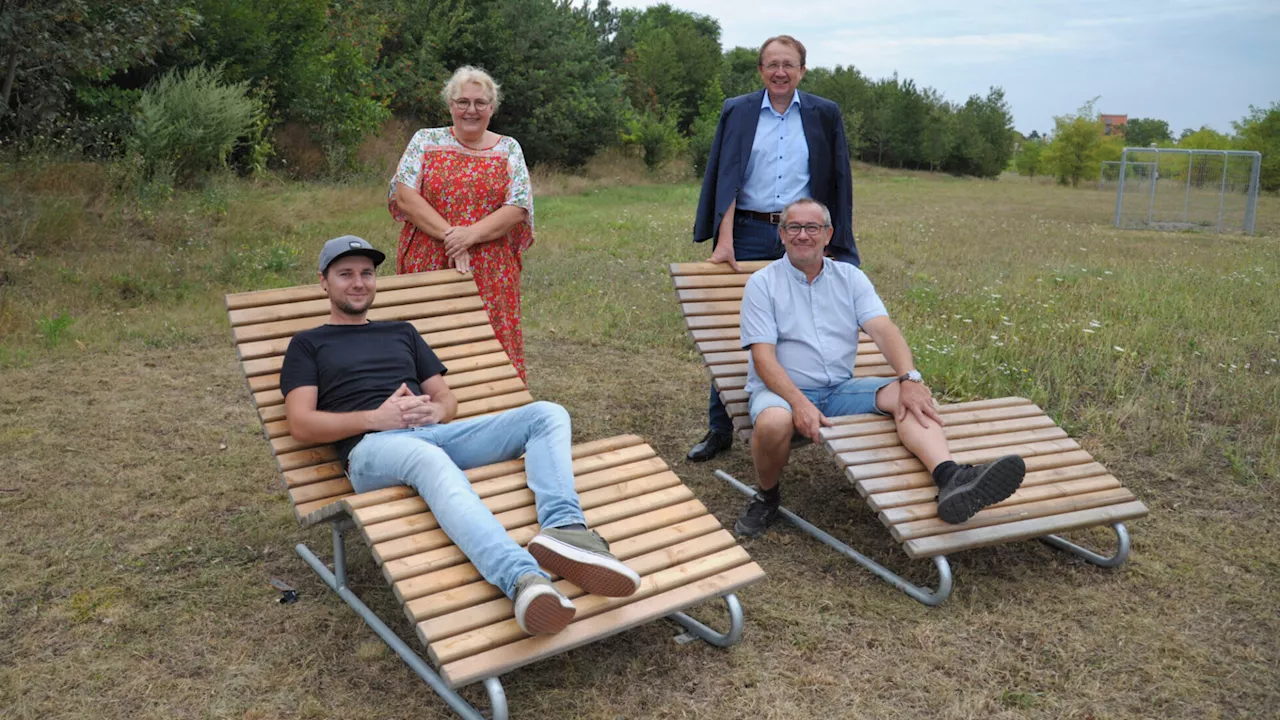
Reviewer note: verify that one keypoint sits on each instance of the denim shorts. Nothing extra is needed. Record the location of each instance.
(855, 396)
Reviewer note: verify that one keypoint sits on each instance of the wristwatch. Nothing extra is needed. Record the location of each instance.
(912, 376)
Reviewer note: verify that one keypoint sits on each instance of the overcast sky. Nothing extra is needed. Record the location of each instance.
(1190, 62)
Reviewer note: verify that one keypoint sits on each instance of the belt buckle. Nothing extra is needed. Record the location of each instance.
(775, 218)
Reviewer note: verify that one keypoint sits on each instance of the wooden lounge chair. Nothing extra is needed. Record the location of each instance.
(652, 520)
(1064, 489)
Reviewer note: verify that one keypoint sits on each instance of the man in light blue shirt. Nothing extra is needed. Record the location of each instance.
(800, 320)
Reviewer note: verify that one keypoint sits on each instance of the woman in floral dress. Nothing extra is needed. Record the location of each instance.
(464, 197)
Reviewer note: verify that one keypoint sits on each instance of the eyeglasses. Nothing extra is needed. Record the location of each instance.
(466, 104)
(775, 67)
(812, 229)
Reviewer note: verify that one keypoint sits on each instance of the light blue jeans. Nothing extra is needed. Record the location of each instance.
(431, 459)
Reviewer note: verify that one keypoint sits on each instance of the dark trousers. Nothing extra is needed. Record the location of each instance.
(752, 240)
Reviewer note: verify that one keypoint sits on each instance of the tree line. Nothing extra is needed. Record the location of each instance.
(576, 78)
(1077, 147)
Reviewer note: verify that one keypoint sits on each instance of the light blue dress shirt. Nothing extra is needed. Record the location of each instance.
(778, 169)
(813, 326)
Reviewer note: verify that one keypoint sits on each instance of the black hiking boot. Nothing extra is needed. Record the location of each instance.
(711, 445)
(757, 518)
(971, 488)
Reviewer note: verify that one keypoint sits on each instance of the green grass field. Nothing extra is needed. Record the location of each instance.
(142, 517)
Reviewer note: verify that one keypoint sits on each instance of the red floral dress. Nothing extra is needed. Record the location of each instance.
(464, 185)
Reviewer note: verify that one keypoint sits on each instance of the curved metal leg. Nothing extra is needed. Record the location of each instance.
(497, 698)
(336, 580)
(1116, 560)
(932, 598)
(718, 639)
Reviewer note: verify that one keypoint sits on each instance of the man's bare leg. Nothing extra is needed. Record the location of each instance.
(929, 444)
(770, 450)
(771, 445)
(963, 490)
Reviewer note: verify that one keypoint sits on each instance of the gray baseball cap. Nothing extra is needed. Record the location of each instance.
(349, 245)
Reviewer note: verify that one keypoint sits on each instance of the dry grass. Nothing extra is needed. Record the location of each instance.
(142, 518)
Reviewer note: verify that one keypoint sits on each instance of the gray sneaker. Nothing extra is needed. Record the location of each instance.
(540, 608)
(582, 557)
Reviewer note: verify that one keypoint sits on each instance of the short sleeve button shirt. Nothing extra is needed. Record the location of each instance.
(814, 326)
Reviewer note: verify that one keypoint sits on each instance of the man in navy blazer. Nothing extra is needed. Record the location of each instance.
(771, 148)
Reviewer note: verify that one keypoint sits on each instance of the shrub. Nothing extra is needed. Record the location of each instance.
(657, 135)
(188, 122)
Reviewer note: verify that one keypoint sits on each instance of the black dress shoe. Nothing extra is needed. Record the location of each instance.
(711, 445)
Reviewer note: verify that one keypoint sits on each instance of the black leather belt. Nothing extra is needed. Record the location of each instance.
(772, 218)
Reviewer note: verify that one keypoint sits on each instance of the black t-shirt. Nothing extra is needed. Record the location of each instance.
(357, 367)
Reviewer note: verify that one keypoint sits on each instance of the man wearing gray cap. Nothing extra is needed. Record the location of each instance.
(377, 391)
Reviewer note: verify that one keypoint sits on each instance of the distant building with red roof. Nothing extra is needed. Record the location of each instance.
(1113, 124)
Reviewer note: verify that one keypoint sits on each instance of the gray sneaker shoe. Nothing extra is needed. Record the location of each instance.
(540, 608)
(582, 557)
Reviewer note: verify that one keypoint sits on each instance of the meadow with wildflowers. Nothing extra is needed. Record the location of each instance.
(143, 517)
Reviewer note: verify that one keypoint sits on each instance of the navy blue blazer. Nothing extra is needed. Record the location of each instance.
(830, 180)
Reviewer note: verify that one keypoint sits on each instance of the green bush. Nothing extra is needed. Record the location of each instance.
(188, 122)
(657, 135)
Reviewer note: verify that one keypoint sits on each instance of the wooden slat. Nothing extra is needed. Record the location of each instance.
(484, 375)
(992, 409)
(498, 634)
(580, 451)
(957, 446)
(726, 371)
(489, 389)
(476, 323)
(498, 609)
(446, 592)
(306, 509)
(589, 473)
(919, 478)
(403, 526)
(313, 473)
(713, 346)
(722, 358)
(317, 491)
(1022, 530)
(414, 311)
(306, 458)
(420, 542)
(440, 343)
(256, 298)
(746, 267)
(703, 322)
(498, 661)
(414, 565)
(451, 353)
(895, 467)
(916, 502)
(501, 499)
(319, 307)
(883, 434)
(716, 294)
(725, 307)
(1012, 513)
(491, 404)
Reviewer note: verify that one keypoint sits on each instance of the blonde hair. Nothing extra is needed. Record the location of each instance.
(466, 75)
